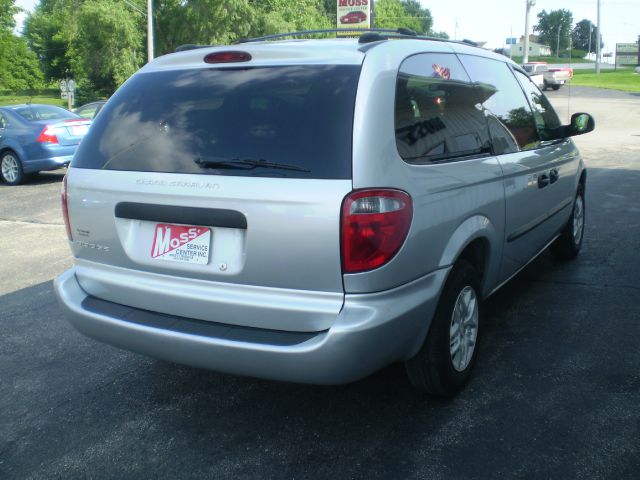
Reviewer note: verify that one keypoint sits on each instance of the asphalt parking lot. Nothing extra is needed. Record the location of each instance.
(556, 392)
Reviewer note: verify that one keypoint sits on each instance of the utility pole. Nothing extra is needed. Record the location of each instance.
(558, 44)
(512, 45)
(525, 55)
(150, 30)
(598, 41)
(589, 49)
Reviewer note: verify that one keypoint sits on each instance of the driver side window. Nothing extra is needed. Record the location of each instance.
(544, 114)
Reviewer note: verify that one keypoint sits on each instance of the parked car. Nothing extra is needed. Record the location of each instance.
(90, 110)
(329, 208)
(546, 77)
(35, 138)
(354, 17)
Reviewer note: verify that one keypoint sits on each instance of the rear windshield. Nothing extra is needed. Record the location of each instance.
(33, 113)
(293, 121)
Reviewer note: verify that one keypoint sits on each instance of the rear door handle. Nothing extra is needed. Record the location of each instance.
(543, 180)
(553, 175)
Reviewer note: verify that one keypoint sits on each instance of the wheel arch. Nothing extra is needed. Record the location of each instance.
(13, 148)
(477, 241)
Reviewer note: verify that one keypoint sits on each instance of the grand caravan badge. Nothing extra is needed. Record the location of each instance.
(179, 243)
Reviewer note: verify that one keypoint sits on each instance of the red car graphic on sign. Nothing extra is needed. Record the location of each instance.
(353, 17)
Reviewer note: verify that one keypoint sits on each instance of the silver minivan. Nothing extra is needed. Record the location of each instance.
(314, 210)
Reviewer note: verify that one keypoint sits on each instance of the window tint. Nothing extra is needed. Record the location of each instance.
(545, 116)
(437, 113)
(511, 122)
(300, 117)
(34, 113)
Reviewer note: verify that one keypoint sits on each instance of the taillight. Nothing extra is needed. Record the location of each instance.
(47, 136)
(227, 57)
(375, 224)
(65, 208)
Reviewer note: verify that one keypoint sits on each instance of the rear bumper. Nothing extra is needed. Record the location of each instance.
(370, 332)
(44, 164)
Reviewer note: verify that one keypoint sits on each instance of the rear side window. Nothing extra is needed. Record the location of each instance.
(437, 112)
(33, 113)
(511, 121)
(291, 121)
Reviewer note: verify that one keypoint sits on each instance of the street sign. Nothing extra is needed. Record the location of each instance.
(511, 40)
(67, 91)
(627, 53)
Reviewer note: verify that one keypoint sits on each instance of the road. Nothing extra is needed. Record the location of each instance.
(556, 392)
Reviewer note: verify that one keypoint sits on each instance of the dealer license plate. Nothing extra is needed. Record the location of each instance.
(180, 243)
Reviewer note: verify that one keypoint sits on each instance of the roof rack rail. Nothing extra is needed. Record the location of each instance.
(398, 31)
(369, 35)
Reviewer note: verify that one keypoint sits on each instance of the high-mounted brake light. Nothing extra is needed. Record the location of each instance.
(65, 208)
(227, 57)
(47, 135)
(375, 224)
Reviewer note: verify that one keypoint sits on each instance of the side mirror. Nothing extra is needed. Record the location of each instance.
(581, 123)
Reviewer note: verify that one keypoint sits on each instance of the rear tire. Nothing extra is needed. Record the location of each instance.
(556, 87)
(568, 244)
(11, 168)
(445, 361)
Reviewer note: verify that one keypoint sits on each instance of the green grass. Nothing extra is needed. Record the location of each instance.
(620, 79)
(552, 60)
(17, 99)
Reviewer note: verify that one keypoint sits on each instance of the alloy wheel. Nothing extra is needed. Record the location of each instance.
(463, 331)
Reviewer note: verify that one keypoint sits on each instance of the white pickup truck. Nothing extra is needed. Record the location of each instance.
(546, 77)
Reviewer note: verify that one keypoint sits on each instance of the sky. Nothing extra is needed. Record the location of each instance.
(495, 20)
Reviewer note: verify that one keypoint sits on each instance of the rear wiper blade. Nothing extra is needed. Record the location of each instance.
(266, 164)
(246, 164)
(210, 163)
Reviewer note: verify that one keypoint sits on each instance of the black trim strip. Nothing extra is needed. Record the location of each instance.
(527, 228)
(206, 217)
(191, 326)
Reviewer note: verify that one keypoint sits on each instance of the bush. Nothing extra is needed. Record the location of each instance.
(575, 53)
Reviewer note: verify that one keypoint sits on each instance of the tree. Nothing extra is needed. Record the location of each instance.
(405, 13)
(413, 8)
(580, 36)
(274, 16)
(206, 22)
(553, 27)
(108, 46)
(7, 11)
(50, 30)
(18, 65)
